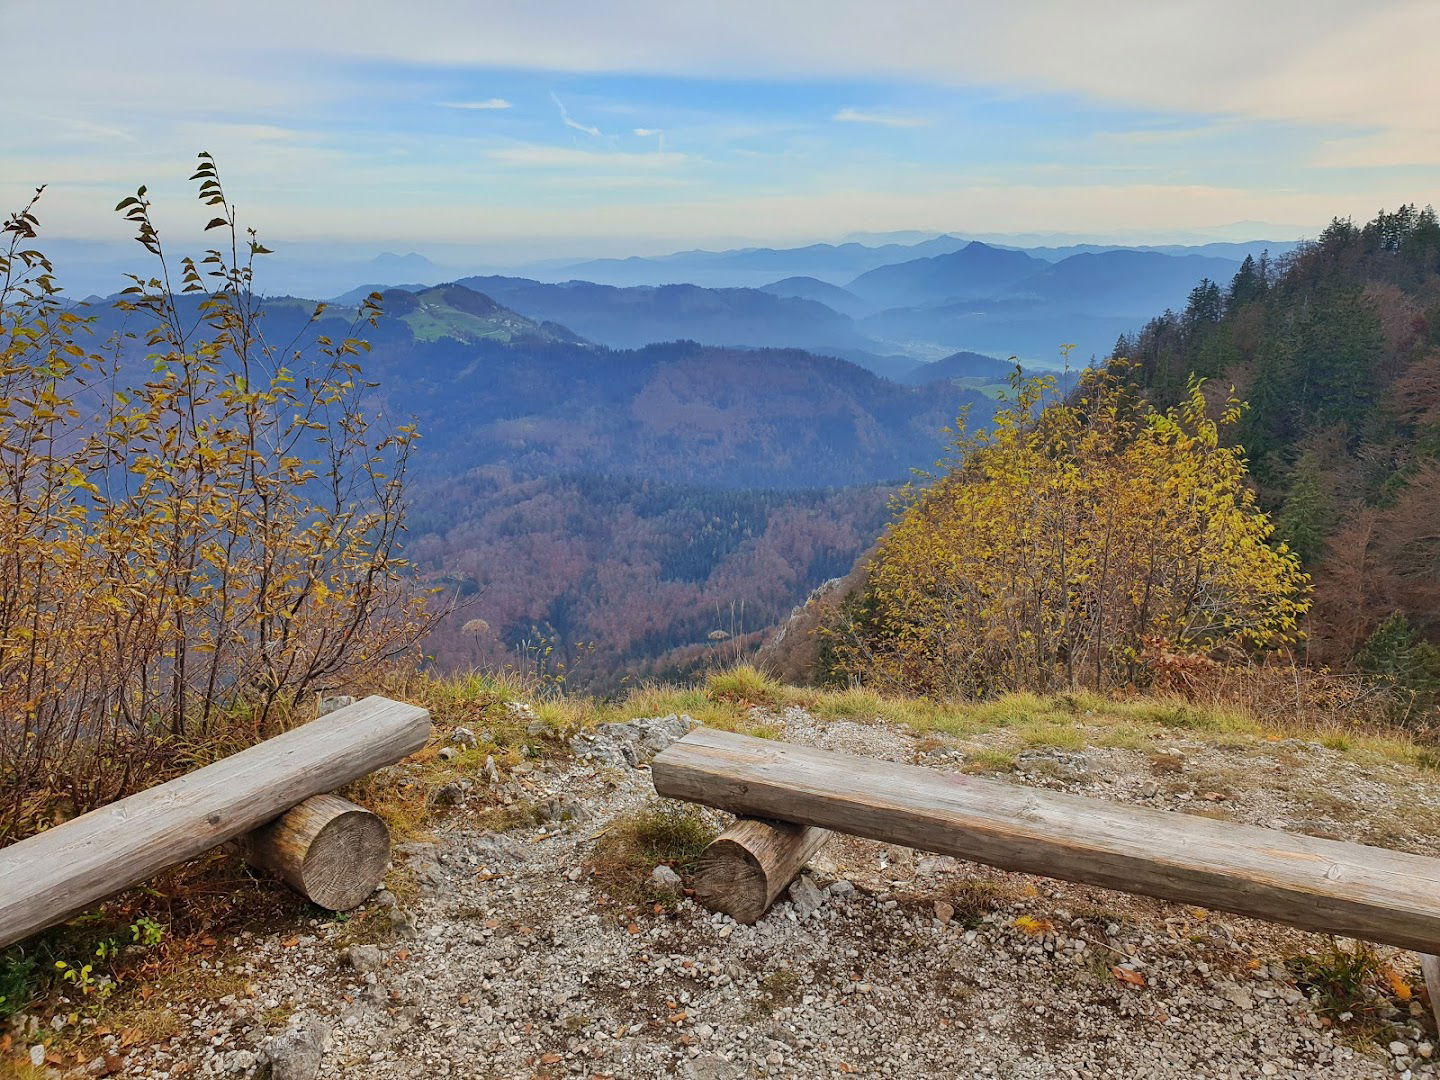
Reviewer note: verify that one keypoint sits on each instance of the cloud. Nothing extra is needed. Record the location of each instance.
(570, 122)
(488, 103)
(1382, 150)
(564, 157)
(865, 116)
(643, 132)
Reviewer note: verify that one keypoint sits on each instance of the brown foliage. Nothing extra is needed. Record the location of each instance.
(189, 542)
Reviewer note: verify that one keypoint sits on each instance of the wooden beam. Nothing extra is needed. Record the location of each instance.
(327, 849)
(751, 863)
(49, 877)
(1321, 885)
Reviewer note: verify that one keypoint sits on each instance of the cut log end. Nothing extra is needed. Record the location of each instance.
(751, 864)
(327, 849)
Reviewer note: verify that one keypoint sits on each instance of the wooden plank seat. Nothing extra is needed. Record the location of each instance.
(1319, 885)
(330, 849)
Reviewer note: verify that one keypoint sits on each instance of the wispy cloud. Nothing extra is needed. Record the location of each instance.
(653, 133)
(866, 116)
(488, 103)
(564, 157)
(571, 122)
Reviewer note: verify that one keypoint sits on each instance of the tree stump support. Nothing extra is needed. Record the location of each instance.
(327, 849)
(751, 863)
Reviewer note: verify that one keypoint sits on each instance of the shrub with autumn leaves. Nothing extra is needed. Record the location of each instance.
(1068, 540)
(197, 527)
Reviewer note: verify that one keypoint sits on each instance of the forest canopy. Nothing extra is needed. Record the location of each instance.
(1337, 349)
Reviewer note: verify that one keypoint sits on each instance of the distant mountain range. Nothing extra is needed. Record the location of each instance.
(839, 264)
(631, 317)
(889, 318)
(975, 271)
(752, 266)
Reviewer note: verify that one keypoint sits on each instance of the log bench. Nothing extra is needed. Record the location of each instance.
(787, 796)
(268, 800)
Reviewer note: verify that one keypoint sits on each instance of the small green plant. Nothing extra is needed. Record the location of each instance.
(85, 981)
(17, 982)
(146, 932)
(1342, 980)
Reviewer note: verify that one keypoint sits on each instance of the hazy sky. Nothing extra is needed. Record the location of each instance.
(551, 125)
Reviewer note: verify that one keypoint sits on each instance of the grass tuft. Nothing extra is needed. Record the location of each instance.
(672, 835)
(1346, 980)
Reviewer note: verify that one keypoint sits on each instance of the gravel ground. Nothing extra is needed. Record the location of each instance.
(888, 962)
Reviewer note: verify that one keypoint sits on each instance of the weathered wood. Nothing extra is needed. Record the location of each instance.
(49, 877)
(327, 849)
(751, 863)
(1322, 885)
(1430, 968)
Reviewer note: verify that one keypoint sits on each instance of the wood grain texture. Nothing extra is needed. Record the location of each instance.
(49, 877)
(751, 863)
(1321, 885)
(1430, 968)
(327, 849)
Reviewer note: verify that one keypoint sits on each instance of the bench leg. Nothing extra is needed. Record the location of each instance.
(751, 863)
(1430, 965)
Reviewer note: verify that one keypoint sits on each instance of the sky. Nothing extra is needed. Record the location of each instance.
(541, 129)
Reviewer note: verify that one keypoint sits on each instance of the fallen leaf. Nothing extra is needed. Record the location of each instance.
(633, 928)
(676, 1018)
(1398, 986)
(208, 941)
(549, 1059)
(464, 999)
(402, 954)
(845, 1067)
(1125, 975)
(290, 943)
(1034, 927)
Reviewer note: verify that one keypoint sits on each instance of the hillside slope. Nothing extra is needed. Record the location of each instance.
(1336, 347)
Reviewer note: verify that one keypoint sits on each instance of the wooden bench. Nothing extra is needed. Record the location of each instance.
(1322, 885)
(267, 798)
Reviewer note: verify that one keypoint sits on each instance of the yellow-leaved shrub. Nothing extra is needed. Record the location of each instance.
(1068, 540)
(196, 527)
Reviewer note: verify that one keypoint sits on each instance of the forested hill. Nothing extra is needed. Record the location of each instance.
(609, 509)
(1336, 347)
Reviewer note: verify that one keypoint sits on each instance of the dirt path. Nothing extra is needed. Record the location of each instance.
(503, 964)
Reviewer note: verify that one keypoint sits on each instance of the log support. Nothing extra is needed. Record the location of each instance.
(751, 863)
(327, 849)
(1430, 965)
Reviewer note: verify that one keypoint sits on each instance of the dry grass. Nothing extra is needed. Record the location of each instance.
(672, 835)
